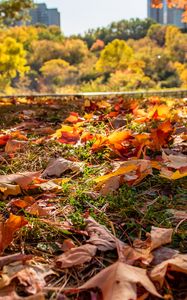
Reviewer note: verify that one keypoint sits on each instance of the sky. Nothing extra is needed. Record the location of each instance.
(77, 16)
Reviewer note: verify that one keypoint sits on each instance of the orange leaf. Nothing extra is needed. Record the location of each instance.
(74, 118)
(69, 138)
(4, 139)
(119, 137)
(8, 229)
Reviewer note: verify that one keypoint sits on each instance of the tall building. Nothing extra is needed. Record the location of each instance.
(43, 15)
(165, 15)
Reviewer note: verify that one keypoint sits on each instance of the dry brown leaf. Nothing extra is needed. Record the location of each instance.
(22, 179)
(14, 145)
(142, 250)
(172, 175)
(58, 166)
(31, 276)
(100, 236)
(8, 259)
(163, 253)
(119, 281)
(178, 215)
(175, 161)
(160, 236)
(9, 293)
(76, 256)
(52, 185)
(111, 185)
(178, 264)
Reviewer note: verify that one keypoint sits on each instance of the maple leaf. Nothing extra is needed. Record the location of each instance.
(131, 171)
(100, 236)
(4, 139)
(58, 166)
(14, 145)
(160, 112)
(119, 281)
(76, 256)
(8, 228)
(178, 162)
(142, 250)
(160, 135)
(178, 264)
(172, 175)
(30, 205)
(29, 274)
(9, 189)
(22, 179)
(74, 118)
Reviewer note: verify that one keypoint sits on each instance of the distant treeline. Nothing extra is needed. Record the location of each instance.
(134, 54)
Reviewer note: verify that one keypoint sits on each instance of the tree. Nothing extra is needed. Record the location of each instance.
(74, 51)
(176, 44)
(116, 55)
(13, 61)
(14, 10)
(123, 30)
(157, 33)
(57, 73)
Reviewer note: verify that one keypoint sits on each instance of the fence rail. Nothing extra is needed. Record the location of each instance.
(162, 93)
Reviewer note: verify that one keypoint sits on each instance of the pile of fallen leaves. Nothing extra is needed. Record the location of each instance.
(81, 194)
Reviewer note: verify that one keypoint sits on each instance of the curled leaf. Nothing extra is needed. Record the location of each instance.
(76, 256)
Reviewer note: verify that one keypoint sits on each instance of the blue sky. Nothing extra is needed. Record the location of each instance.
(77, 16)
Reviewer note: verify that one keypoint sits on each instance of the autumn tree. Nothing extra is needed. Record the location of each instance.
(14, 10)
(176, 44)
(74, 51)
(157, 33)
(124, 30)
(13, 62)
(57, 73)
(116, 55)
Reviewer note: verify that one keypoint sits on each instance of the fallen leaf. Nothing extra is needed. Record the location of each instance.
(119, 281)
(118, 137)
(100, 236)
(172, 175)
(67, 135)
(74, 118)
(8, 259)
(8, 228)
(178, 264)
(178, 215)
(142, 250)
(58, 166)
(175, 161)
(31, 276)
(9, 189)
(4, 139)
(160, 236)
(67, 245)
(52, 185)
(131, 171)
(163, 253)
(76, 256)
(22, 179)
(14, 145)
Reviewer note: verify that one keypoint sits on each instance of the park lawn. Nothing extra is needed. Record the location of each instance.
(118, 162)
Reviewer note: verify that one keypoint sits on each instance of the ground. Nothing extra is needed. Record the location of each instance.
(139, 145)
